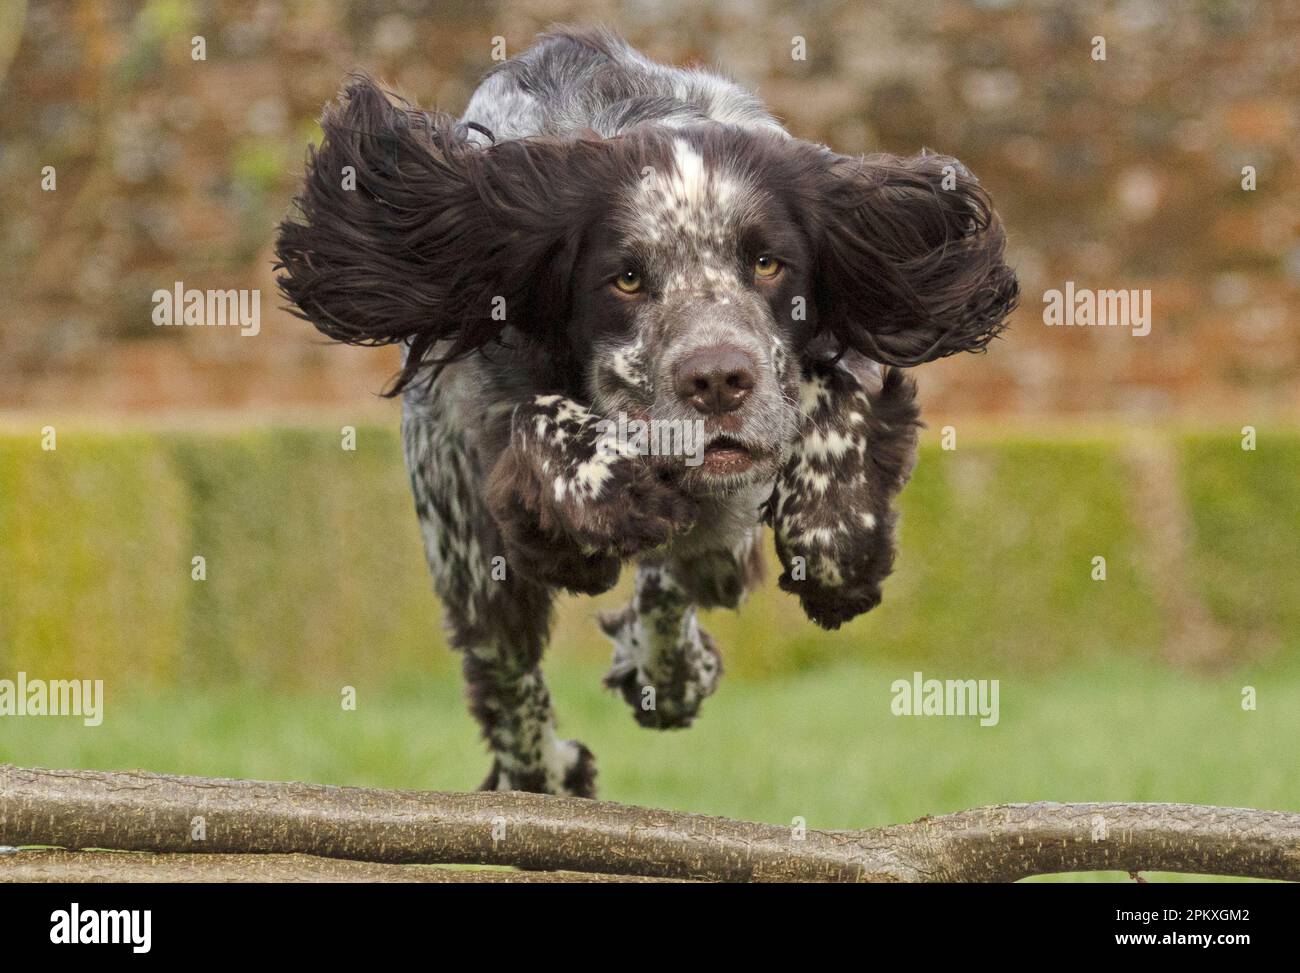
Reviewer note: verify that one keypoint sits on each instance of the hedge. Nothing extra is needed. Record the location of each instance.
(314, 568)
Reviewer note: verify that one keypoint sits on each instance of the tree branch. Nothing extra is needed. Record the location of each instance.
(55, 865)
(140, 811)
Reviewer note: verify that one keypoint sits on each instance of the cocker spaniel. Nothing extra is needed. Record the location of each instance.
(639, 320)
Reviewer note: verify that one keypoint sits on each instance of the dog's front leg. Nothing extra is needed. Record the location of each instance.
(831, 507)
(572, 501)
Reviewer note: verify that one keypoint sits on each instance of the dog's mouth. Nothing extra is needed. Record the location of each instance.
(724, 456)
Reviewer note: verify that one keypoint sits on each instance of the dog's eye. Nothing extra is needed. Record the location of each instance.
(765, 267)
(629, 282)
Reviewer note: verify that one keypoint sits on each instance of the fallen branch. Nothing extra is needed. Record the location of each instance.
(56, 865)
(139, 811)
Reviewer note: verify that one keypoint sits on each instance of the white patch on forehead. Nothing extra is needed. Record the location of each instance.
(689, 183)
(687, 196)
(687, 217)
(699, 187)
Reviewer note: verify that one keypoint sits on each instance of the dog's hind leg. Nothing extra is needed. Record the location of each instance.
(509, 698)
(498, 619)
(665, 664)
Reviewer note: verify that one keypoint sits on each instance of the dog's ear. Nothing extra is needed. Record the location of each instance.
(407, 230)
(910, 265)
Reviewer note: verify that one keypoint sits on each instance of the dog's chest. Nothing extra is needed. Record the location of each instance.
(722, 522)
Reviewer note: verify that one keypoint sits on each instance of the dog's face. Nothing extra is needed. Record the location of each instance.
(676, 275)
(690, 306)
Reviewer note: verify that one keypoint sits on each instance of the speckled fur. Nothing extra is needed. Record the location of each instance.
(485, 247)
(665, 664)
(831, 507)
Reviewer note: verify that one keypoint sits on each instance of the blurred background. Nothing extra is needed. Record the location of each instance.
(1072, 443)
(1117, 173)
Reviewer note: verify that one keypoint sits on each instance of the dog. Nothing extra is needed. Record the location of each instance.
(605, 237)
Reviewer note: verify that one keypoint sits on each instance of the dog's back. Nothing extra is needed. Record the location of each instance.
(590, 80)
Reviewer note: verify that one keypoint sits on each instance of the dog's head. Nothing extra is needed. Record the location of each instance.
(674, 274)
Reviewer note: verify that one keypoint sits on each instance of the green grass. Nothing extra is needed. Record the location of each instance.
(822, 745)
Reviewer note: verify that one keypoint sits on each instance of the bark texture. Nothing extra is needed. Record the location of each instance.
(144, 812)
(57, 865)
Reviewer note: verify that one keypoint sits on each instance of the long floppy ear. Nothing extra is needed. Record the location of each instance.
(428, 237)
(911, 264)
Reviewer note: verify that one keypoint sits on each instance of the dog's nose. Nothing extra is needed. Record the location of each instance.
(715, 380)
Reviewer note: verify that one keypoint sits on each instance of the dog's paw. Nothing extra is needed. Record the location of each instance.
(669, 700)
(571, 774)
(656, 707)
(579, 774)
(636, 509)
(555, 561)
(831, 607)
(569, 497)
(836, 570)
